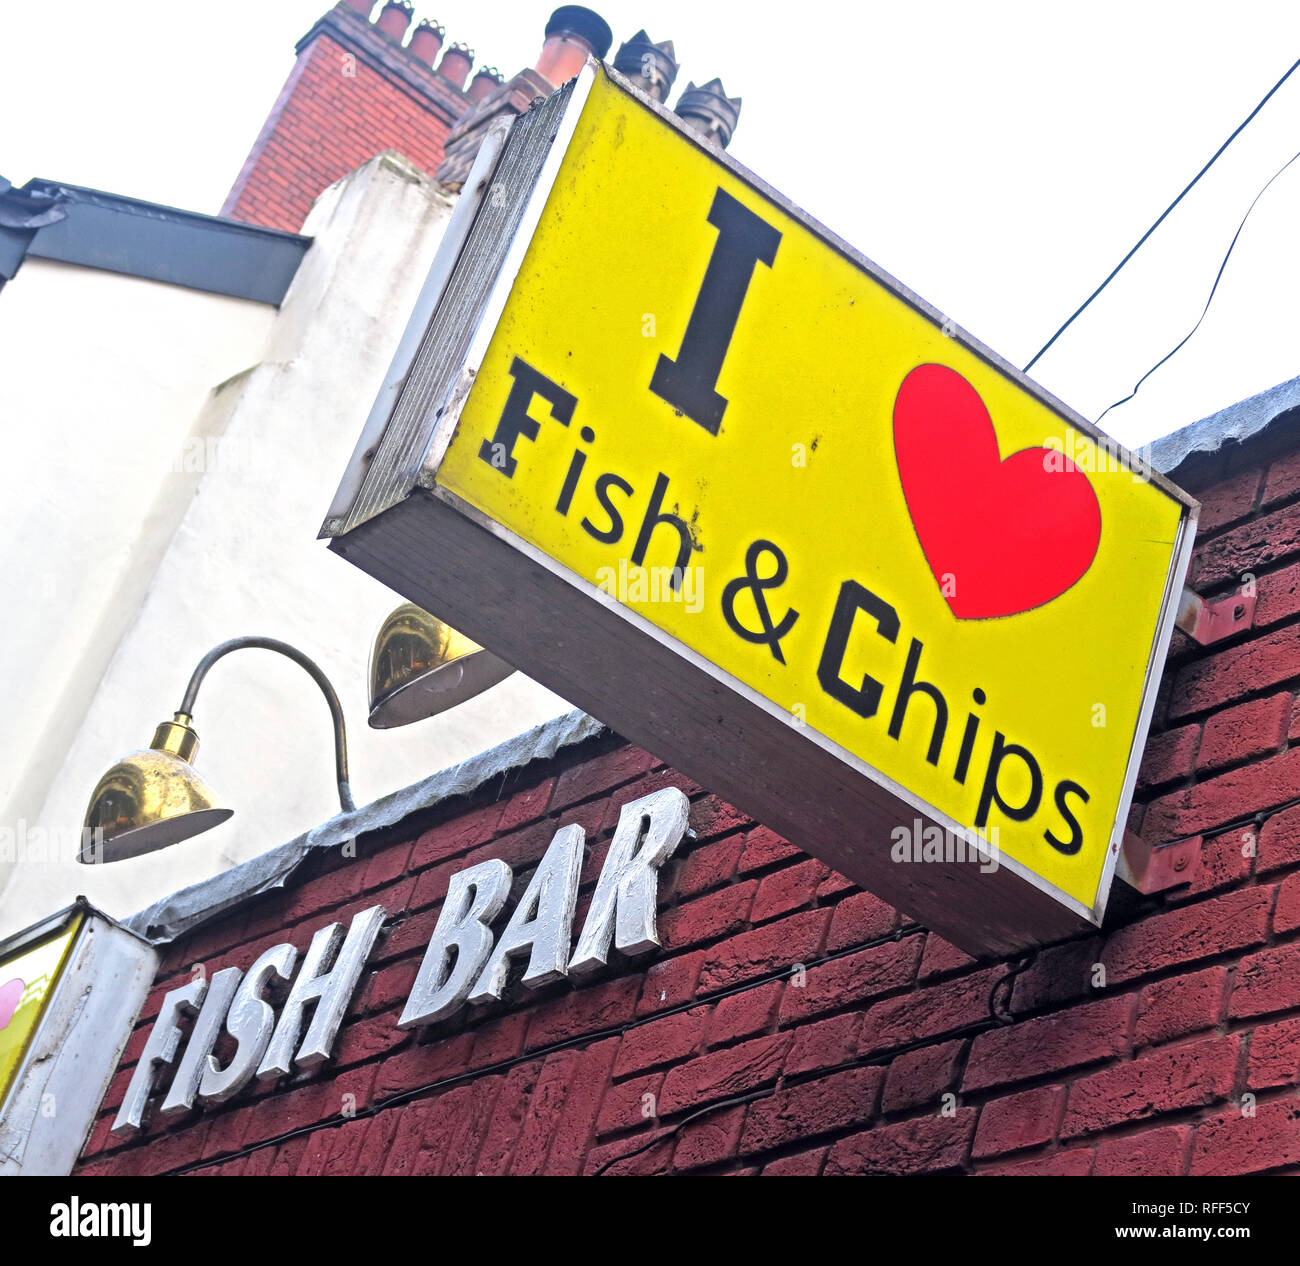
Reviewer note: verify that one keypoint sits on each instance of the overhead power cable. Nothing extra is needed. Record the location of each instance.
(1163, 216)
(1218, 277)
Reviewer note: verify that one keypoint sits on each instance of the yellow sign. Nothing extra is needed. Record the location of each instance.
(27, 980)
(783, 462)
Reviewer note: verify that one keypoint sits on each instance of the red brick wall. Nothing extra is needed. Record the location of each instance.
(337, 111)
(1054, 1068)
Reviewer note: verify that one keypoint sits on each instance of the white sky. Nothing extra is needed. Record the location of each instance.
(998, 158)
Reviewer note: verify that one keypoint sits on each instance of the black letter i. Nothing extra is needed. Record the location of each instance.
(575, 470)
(968, 739)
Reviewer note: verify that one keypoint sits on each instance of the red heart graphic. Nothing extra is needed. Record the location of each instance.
(11, 994)
(1000, 536)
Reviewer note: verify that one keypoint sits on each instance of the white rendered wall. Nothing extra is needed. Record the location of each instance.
(103, 379)
(244, 558)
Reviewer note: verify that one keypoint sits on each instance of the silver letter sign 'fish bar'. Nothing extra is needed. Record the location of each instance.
(464, 962)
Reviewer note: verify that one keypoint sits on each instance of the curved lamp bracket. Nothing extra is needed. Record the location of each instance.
(289, 652)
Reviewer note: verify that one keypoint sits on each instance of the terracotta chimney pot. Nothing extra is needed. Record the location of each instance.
(425, 42)
(455, 64)
(487, 79)
(572, 35)
(394, 19)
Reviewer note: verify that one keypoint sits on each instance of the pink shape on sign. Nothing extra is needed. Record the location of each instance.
(11, 994)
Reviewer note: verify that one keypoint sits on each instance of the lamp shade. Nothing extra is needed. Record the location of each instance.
(150, 799)
(421, 667)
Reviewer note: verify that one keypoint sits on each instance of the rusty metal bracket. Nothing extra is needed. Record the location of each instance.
(1151, 868)
(1209, 622)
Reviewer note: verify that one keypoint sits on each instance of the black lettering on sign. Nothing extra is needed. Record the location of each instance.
(991, 793)
(853, 597)
(908, 688)
(688, 383)
(615, 530)
(499, 451)
(1075, 842)
(768, 632)
(655, 515)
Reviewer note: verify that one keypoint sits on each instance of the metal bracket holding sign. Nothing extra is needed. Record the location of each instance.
(684, 456)
(1152, 868)
(1209, 622)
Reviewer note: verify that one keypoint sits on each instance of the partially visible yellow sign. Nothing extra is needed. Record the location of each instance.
(26, 981)
(699, 405)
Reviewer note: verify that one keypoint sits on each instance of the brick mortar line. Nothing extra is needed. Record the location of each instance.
(1257, 819)
(1257, 514)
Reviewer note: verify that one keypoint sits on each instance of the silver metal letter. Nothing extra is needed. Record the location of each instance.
(160, 1048)
(542, 921)
(250, 1021)
(474, 896)
(329, 982)
(623, 906)
(203, 1037)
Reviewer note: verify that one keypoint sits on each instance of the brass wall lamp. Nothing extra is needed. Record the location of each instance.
(420, 667)
(151, 799)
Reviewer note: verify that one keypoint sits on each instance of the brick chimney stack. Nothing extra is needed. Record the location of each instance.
(354, 91)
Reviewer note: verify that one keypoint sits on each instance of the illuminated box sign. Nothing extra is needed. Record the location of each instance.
(674, 450)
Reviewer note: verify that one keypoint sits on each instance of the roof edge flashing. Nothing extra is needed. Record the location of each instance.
(1237, 424)
(131, 237)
